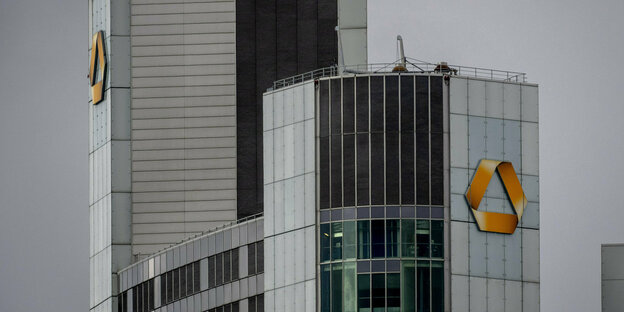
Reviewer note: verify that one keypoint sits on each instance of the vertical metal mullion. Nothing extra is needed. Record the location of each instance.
(342, 143)
(355, 154)
(384, 149)
(329, 146)
(400, 155)
(429, 144)
(370, 177)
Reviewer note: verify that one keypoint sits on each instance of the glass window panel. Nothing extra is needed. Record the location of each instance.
(235, 306)
(219, 269)
(378, 266)
(260, 303)
(336, 171)
(408, 244)
(393, 292)
(176, 284)
(436, 104)
(437, 239)
(422, 238)
(260, 256)
(227, 262)
(324, 108)
(422, 168)
(336, 287)
(211, 272)
(377, 168)
(234, 264)
(324, 172)
(407, 168)
(363, 284)
(422, 277)
(437, 168)
(227, 308)
(377, 103)
(392, 168)
(325, 242)
(407, 104)
(377, 238)
(362, 104)
(392, 238)
(437, 286)
(392, 103)
(170, 286)
(363, 239)
(135, 299)
(325, 288)
(363, 266)
(422, 104)
(349, 302)
(251, 304)
(348, 105)
(348, 155)
(408, 286)
(362, 169)
(393, 212)
(350, 235)
(163, 288)
(145, 299)
(251, 259)
(189, 279)
(196, 277)
(336, 241)
(379, 292)
(336, 109)
(182, 273)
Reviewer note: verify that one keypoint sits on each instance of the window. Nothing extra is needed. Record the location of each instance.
(423, 286)
(377, 237)
(377, 168)
(336, 287)
(392, 238)
(362, 169)
(325, 288)
(407, 238)
(363, 239)
(437, 286)
(251, 259)
(336, 241)
(212, 263)
(422, 238)
(379, 292)
(219, 268)
(408, 286)
(227, 263)
(363, 285)
(437, 239)
(349, 237)
(394, 292)
(234, 264)
(348, 155)
(325, 243)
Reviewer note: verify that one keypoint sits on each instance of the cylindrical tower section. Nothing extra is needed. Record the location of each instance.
(380, 192)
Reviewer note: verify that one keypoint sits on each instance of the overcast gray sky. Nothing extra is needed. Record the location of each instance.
(572, 49)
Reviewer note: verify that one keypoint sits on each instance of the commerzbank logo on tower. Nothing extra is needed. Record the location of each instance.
(495, 221)
(97, 68)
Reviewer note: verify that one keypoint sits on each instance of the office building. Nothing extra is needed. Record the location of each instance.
(234, 167)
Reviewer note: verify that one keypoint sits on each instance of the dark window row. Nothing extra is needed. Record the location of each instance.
(417, 286)
(398, 159)
(223, 268)
(376, 212)
(390, 238)
(255, 258)
(179, 283)
(230, 307)
(142, 298)
(255, 304)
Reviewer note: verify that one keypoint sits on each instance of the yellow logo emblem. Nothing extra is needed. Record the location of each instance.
(494, 221)
(97, 55)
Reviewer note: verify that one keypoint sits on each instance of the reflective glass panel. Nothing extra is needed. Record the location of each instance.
(325, 288)
(379, 292)
(393, 292)
(349, 237)
(437, 238)
(408, 286)
(336, 290)
(437, 286)
(423, 286)
(392, 238)
(363, 239)
(422, 238)
(349, 295)
(363, 281)
(325, 242)
(377, 238)
(336, 241)
(408, 245)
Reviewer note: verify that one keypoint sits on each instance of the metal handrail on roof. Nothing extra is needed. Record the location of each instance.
(412, 67)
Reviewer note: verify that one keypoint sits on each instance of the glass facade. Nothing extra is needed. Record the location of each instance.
(381, 244)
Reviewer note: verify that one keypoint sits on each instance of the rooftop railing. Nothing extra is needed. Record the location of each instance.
(412, 67)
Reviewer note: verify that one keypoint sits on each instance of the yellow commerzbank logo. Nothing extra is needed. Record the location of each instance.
(97, 58)
(494, 221)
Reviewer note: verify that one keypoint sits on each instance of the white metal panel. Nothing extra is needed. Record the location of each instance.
(267, 111)
(278, 109)
(513, 143)
(478, 251)
(280, 261)
(269, 300)
(530, 185)
(476, 97)
(459, 208)
(530, 297)
(120, 227)
(494, 138)
(310, 297)
(289, 204)
(297, 104)
(459, 180)
(354, 45)
(289, 258)
(495, 295)
(309, 99)
(279, 207)
(459, 248)
(310, 154)
(530, 255)
(530, 108)
(310, 253)
(458, 99)
(513, 296)
(278, 154)
(299, 203)
(289, 151)
(269, 216)
(495, 255)
(120, 114)
(530, 218)
(289, 298)
(530, 148)
(280, 300)
(476, 140)
(513, 256)
(299, 297)
(268, 148)
(459, 140)
(299, 258)
(288, 106)
(478, 294)
(494, 99)
(310, 199)
(352, 14)
(299, 149)
(511, 99)
(460, 288)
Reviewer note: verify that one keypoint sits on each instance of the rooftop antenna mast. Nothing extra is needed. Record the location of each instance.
(401, 67)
